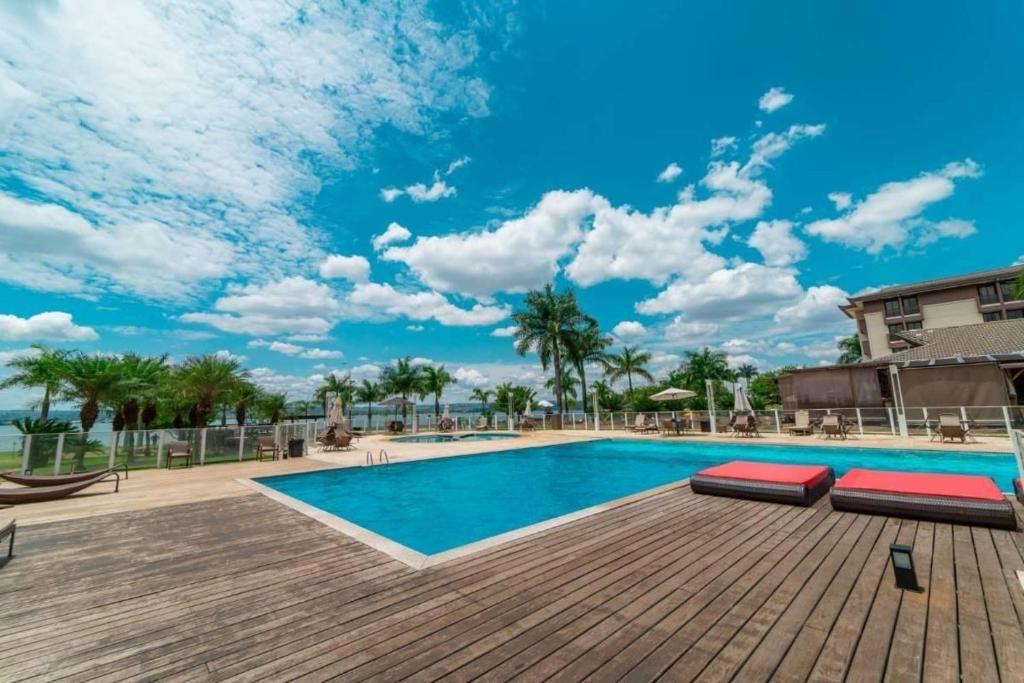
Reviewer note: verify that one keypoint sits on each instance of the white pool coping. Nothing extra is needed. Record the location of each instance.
(417, 560)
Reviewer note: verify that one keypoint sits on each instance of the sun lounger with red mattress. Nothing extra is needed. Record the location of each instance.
(1018, 490)
(796, 484)
(952, 498)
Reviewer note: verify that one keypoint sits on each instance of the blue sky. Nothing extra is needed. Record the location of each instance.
(321, 188)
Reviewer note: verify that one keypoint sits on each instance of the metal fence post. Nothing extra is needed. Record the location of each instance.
(1007, 421)
(202, 446)
(160, 449)
(860, 423)
(26, 448)
(241, 442)
(778, 422)
(60, 453)
(927, 427)
(892, 422)
(963, 413)
(113, 448)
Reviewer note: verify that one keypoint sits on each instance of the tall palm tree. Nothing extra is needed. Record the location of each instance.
(568, 388)
(434, 382)
(90, 381)
(404, 379)
(586, 344)
(43, 369)
(482, 395)
(369, 393)
(544, 326)
(209, 379)
(244, 396)
(632, 361)
(272, 406)
(337, 387)
(747, 372)
(849, 350)
(513, 397)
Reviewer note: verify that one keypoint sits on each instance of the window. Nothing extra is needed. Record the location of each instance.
(910, 305)
(916, 325)
(1007, 286)
(993, 316)
(987, 294)
(1015, 314)
(892, 308)
(894, 330)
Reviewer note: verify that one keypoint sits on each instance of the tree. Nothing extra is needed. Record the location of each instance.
(747, 372)
(42, 450)
(271, 406)
(850, 350)
(545, 325)
(567, 388)
(90, 381)
(699, 366)
(337, 387)
(607, 397)
(43, 369)
(405, 379)
(244, 396)
(209, 379)
(632, 361)
(764, 390)
(585, 345)
(369, 393)
(482, 395)
(513, 397)
(1018, 287)
(434, 382)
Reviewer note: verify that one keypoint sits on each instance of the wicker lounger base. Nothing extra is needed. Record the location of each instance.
(794, 494)
(934, 508)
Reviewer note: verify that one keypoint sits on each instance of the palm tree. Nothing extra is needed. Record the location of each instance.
(747, 372)
(700, 366)
(545, 326)
(849, 350)
(405, 379)
(42, 450)
(243, 396)
(90, 380)
(369, 393)
(209, 379)
(568, 388)
(338, 387)
(513, 397)
(272, 406)
(632, 361)
(587, 345)
(44, 369)
(434, 382)
(1018, 287)
(482, 395)
(607, 397)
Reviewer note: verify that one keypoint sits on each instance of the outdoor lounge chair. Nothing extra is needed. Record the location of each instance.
(527, 424)
(446, 425)
(834, 426)
(179, 450)
(952, 427)
(39, 494)
(802, 424)
(35, 480)
(1018, 490)
(794, 484)
(7, 531)
(642, 425)
(266, 445)
(745, 427)
(951, 498)
(396, 426)
(482, 424)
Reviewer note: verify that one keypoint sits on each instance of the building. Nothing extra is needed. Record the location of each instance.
(969, 365)
(883, 315)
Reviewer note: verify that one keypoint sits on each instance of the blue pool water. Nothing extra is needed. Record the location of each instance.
(448, 438)
(435, 505)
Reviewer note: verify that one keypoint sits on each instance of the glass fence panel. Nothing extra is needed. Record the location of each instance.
(986, 420)
(10, 452)
(85, 452)
(137, 449)
(42, 455)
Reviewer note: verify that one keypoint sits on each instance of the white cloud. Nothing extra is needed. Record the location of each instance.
(736, 346)
(415, 328)
(390, 194)
(393, 233)
(671, 172)
(370, 371)
(682, 331)
(777, 243)
(296, 386)
(16, 354)
(420, 360)
(746, 291)
(629, 329)
(891, 216)
(224, 354)
(842, 200)
(471, 377)
(423, 305)
(303, 352)
(818, 308)
(773, 145)
(509, 331)
(1019, 261)
(734, 361)
(190, 129)
(48, 326)
(519, 254)
(457, 164)
(776, 98)
(420, 192)
(292, 305)
(720, 146)
(352, 268)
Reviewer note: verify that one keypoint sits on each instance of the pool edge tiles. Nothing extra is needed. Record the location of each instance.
(417, 560)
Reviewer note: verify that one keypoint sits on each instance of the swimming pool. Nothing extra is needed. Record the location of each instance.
(433, 506)
(448, 438)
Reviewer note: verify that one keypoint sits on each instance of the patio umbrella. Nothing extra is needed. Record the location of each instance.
(337, 411)
(397, 402)
(445, 414)
(673, 394)
(529, 406)
(544, 403)
(742, 403)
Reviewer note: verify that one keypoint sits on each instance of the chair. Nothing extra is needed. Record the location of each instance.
(7, 531)
(642, 425)
(751, 429)
(669, 426)
(834, 426)
(802, 424)
(396, 426)
(446, 425)
(179, 450)
(57, 479)
(266, 445)
(527, 424)
(482, 424)
(951, 427)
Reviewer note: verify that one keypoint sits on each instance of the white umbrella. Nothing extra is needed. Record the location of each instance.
(742, 403)
(544, 403)
(529, 406)
(336, 412)
(673, 394)
(445, 414)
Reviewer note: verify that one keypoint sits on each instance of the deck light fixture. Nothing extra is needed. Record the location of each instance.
(903, 567)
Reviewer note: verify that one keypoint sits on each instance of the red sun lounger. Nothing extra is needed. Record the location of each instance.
(952, 498)
(795, 484)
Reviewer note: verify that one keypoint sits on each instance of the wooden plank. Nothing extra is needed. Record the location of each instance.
(977, 655)
(1007, 634)
(906, 654)
(941, 646)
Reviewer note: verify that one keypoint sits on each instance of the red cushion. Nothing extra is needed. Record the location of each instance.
(922, 484)
(808, 475)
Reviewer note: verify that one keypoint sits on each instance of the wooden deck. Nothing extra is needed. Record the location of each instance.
(674, 587)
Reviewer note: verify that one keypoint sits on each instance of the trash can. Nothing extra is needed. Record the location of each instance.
(295, 447)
